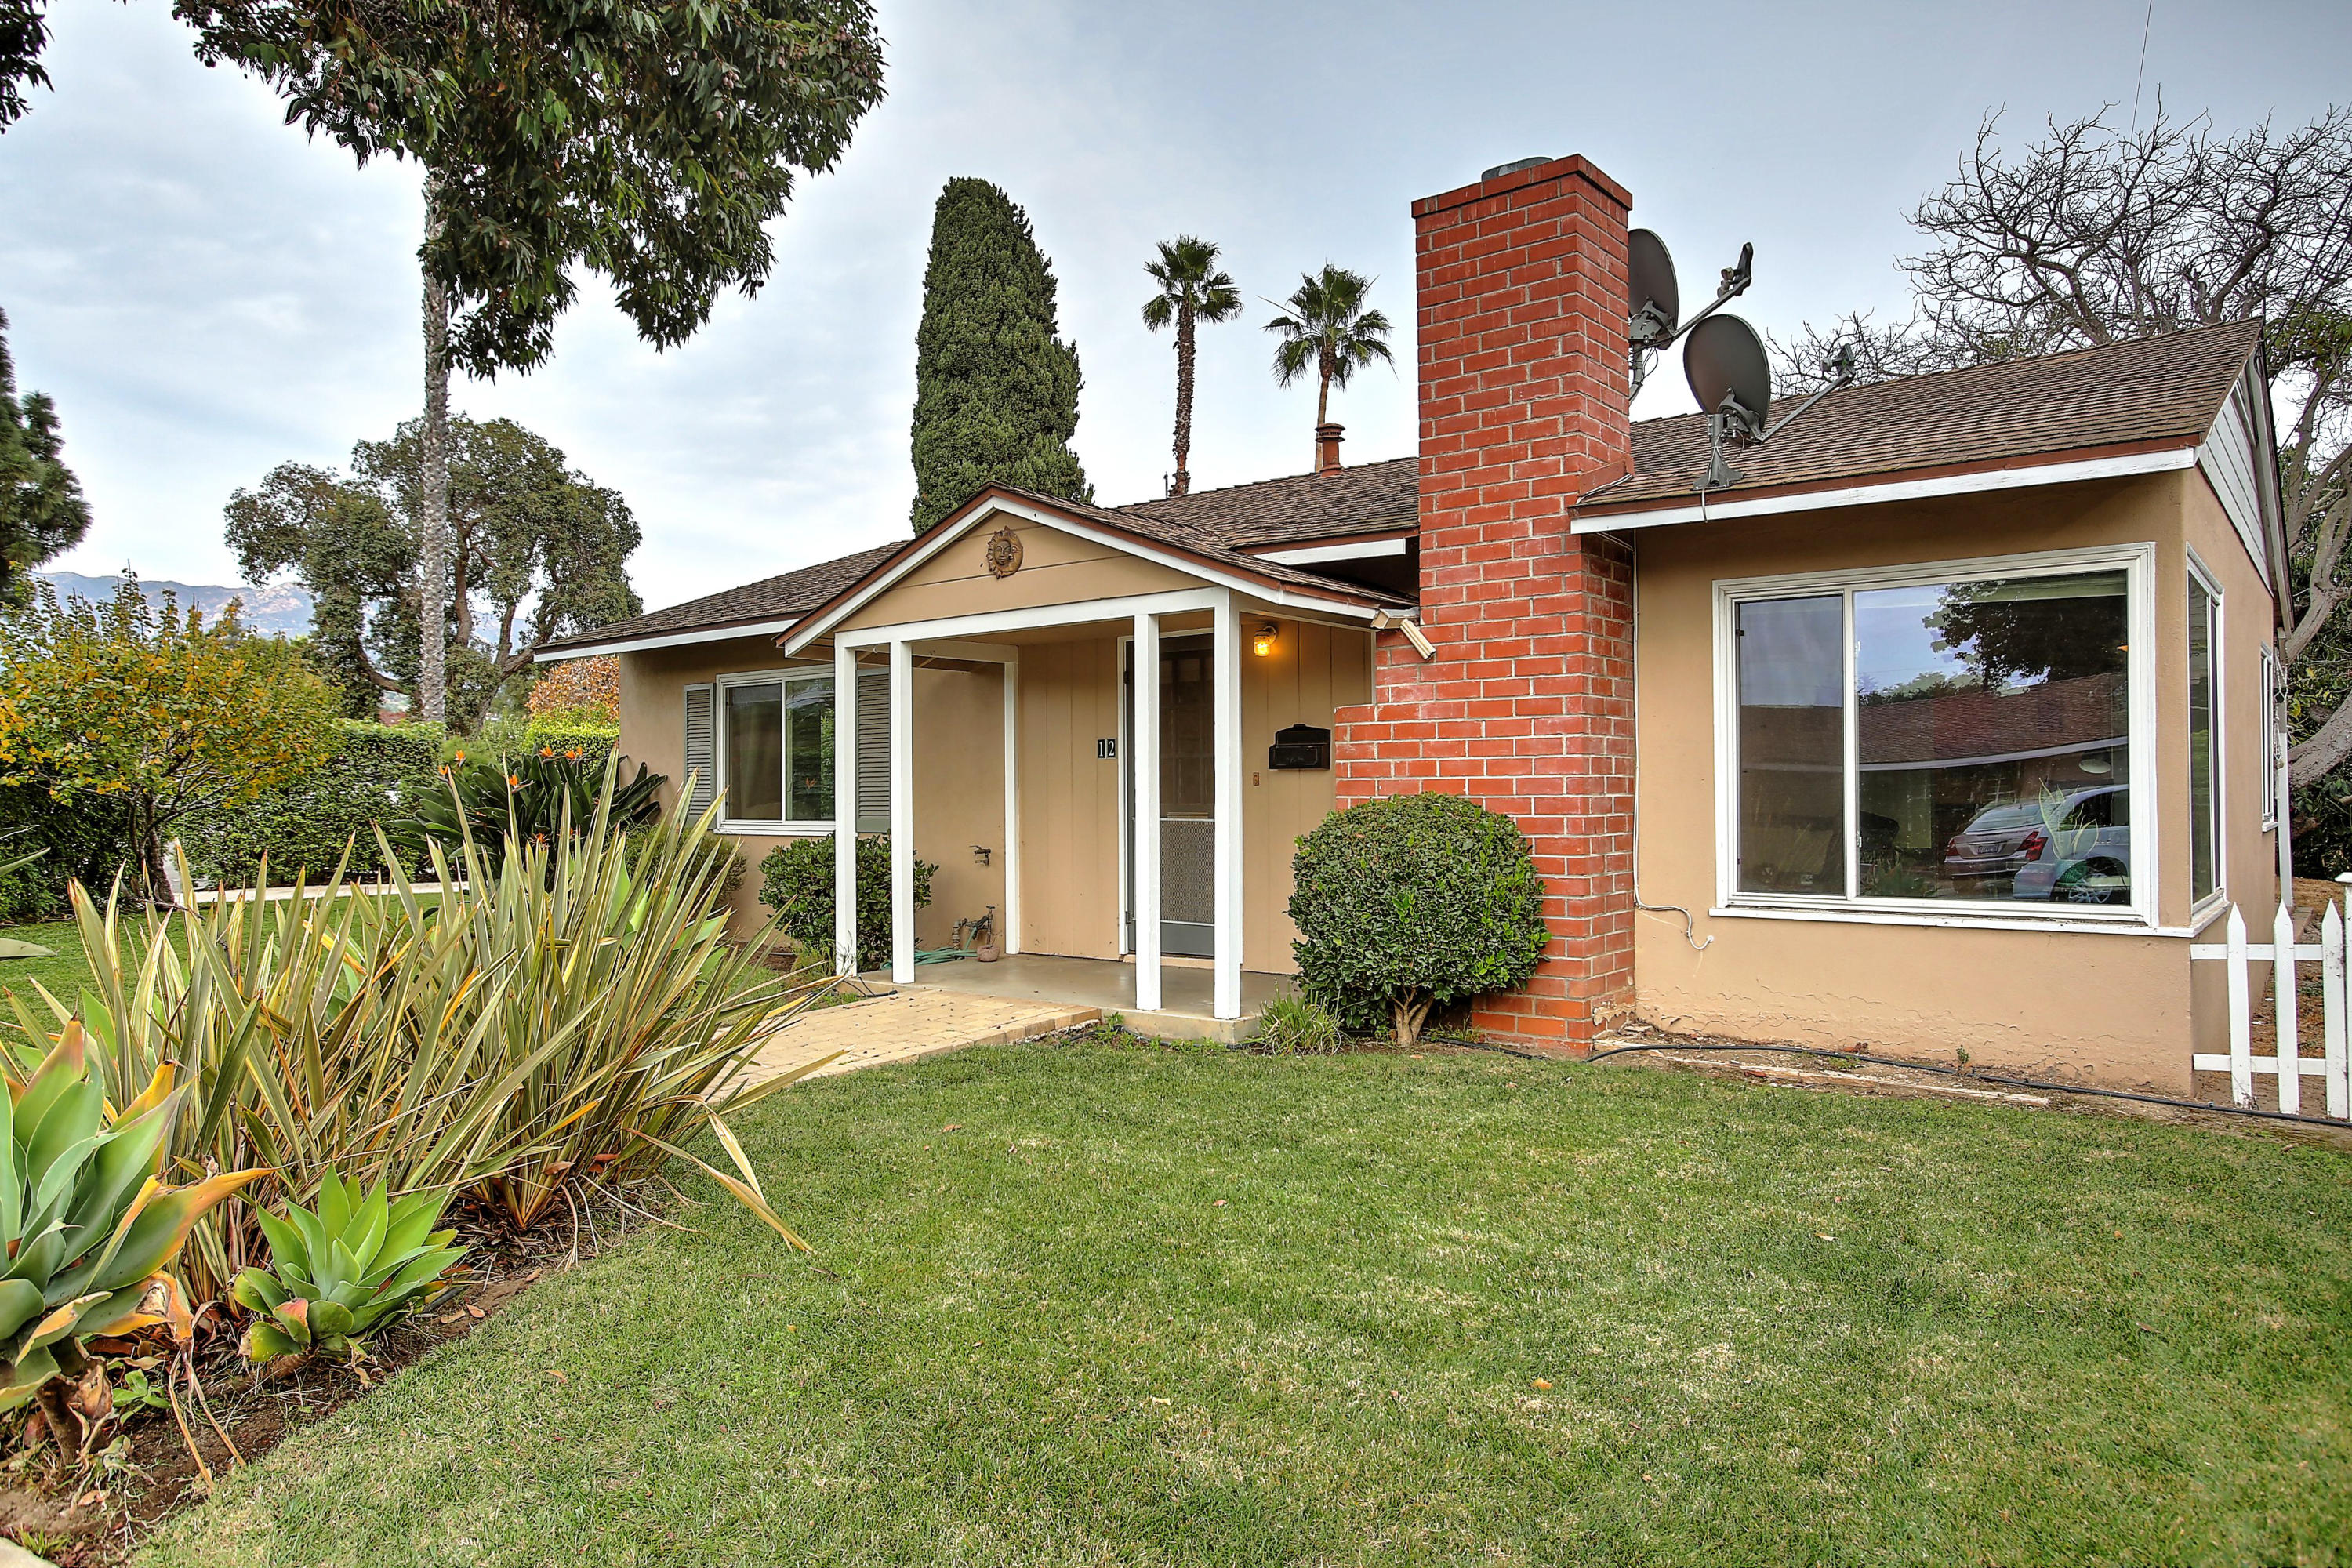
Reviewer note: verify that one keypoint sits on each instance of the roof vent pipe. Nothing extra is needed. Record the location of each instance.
(1326, 447)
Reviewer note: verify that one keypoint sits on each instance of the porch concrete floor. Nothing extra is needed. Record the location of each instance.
(903, 1024)
(1187, 994)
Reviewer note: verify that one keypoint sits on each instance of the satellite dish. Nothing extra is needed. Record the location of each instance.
(1654, 303)
(1729, 375)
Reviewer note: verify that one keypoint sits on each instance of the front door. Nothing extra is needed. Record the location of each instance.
(1187, 798)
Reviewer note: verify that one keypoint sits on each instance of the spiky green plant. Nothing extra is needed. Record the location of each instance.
(88, 1229)
(550, 1021)
(345, 1271)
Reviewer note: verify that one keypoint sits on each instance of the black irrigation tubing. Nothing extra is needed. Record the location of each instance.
(1935, 1068)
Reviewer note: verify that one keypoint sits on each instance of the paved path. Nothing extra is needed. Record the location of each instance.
(905, 1025)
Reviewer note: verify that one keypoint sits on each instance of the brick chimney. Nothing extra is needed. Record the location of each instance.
(1527, 705)
(1326, 447)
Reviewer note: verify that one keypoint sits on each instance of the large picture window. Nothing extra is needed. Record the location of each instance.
(1957, 739)
(776, 749)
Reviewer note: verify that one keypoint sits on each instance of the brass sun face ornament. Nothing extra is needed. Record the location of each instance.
(1003, 552)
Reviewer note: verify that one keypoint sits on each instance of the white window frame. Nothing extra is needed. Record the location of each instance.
(791, 675)
(2273, 739)
(2201, 576)
(2138, 562)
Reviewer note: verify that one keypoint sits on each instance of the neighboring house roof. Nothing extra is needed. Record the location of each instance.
(1948, 729)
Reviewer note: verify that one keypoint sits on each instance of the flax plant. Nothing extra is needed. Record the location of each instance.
(542, 1025)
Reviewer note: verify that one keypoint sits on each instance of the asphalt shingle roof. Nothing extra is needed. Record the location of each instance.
(769, 599)
(2151, 390)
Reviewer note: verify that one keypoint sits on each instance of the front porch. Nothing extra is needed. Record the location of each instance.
(1090, 745)
(1187, 1009)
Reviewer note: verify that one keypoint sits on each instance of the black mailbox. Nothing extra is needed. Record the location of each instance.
(1301, 746)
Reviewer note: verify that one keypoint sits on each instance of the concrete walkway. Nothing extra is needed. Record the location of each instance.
(905, 1025)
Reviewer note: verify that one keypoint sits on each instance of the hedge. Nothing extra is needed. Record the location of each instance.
(303, 827)
(592, 742)
(83, 839)
(1412, 903)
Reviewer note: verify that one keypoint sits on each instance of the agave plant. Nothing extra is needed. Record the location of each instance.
(89, 1231)
(342, 1273)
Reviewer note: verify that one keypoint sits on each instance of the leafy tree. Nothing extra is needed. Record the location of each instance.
(41, 509)
(536, 551)
(2090, 235)
(1191, 291)
(996, 388)
(23, 33)
(168, 714)
(649, 141)
(1328, 331)
(577, 692)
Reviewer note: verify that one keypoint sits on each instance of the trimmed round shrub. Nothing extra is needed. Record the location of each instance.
(796, 881)
(1412, 903)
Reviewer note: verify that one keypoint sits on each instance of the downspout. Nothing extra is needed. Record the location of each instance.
(1631, 539)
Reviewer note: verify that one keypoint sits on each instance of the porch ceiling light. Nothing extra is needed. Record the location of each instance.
(1262, 643)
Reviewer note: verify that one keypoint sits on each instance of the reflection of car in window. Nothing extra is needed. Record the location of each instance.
(2071, 850)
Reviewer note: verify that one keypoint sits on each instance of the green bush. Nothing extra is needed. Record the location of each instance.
(1411, 903)
(377, 772)
(526, 800)
(796, 881)
(86, 837)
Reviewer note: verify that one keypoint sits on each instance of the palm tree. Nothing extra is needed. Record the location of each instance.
(1328, 331)
(1190, 291)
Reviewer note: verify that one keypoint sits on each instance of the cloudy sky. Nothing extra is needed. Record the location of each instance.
(206, 294)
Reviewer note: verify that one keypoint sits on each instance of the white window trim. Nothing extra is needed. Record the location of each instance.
(2273, 736)
(759, 827)
(2199, 575)
(2138, 562)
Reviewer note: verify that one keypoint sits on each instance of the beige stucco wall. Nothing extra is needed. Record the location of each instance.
(2114, 1007)
(958, 769)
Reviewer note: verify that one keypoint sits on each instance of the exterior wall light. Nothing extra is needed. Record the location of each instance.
(1262, 643)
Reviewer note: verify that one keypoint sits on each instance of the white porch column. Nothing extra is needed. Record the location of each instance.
(844, 809)
(1008, 936)
(902, 812)
(1225, 669)
(1144, 764)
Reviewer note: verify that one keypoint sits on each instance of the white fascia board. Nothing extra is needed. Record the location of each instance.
(1903, 490)
(1317, 555)
(810, 631)
(1082, 612)
(668, 639)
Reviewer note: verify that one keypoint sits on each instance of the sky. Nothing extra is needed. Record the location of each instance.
(207, 294)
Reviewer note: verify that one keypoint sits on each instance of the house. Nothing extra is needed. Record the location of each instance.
(1947, 724)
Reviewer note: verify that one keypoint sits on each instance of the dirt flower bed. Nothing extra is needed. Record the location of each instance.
(95, 1520)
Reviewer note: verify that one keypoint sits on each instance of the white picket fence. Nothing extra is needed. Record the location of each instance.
(2288, 1065)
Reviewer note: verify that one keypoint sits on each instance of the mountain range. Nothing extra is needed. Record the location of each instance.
(279, 608)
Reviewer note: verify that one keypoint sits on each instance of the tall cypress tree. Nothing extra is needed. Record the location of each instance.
(996, 388)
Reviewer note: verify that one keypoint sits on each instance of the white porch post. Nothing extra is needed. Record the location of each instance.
(902, 812)
(844, 809)
(1225, 669)
(1008, 938)
(1144, 765)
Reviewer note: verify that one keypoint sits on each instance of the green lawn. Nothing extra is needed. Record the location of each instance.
(1462, 1310)
(65, 974)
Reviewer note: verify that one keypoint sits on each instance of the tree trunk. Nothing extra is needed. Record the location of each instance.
(433, 549)
(1184, 396)
(1410, 1012)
